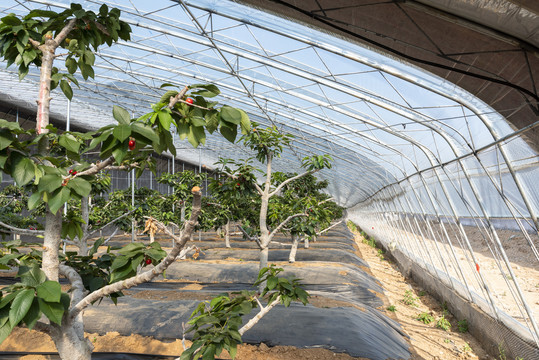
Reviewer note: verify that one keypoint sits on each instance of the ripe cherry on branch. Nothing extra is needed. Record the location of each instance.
(189, 101)
(148, 261)
(131, 144)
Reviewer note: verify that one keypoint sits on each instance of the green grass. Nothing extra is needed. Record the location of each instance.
(391, 308)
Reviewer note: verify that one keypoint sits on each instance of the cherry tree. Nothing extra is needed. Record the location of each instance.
(268, 144)
(50, 163)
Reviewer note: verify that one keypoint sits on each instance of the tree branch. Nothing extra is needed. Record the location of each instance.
(280, 226)
(152, 273)
(260, 315)
(290, 180)
(178, 97)
(251, 238)
(22, 231)
(108, 224)
(34, 43)
(94, 169)
(331, 227)
(259, 189)
(65, 31)
(77, 286)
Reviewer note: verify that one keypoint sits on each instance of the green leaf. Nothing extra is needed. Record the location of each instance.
(59, 199)
(272, 282)
(33, 314)
(11, 125)
(49, 291)
(209, 353)
(52, 310)
(119, 262)
(212, 120)
(71, 65)
(28, 56)
(66, 88)
(5, 330)
(122, 132)
(7, 299)
(183, 130)
(20, 306)
(22, 169)
(11, 19)
(31, 275)
(209, 90)
(231, 115)
(69, 142)
(245, 123)
(80, 186)
(166, 96)
(121, 115)
(132, 249)
(49, 183)
(229, 134)
(165, 119)
(233, 350)
(145, 131)
(6, 138)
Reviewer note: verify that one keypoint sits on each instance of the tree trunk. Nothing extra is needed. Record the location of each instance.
(306, 242)
(227, 234)
(85, 212)
(70, 341)
(292, 256)
(263, 263)
(51, 244)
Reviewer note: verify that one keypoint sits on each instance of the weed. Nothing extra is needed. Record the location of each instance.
(425, 318)
(462, 325)
(443, 324)
(422, 293)
(447, 341)
(391, 308)
(501, 351)
(352, 226)
(369, 241)
(445, 309)
(409, 298)
(381, 254)
(466, 347)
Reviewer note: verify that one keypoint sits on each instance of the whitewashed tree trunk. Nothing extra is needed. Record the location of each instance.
(70, 342)
(227, 234)
(306, 241)
(294, 249)
(51, 244)
(85, 212)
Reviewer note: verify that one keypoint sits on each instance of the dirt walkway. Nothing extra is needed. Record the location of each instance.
(409, 301)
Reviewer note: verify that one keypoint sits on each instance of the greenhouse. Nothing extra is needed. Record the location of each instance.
(410, 126)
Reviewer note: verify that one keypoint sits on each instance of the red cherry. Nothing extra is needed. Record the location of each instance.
(148, 261)
(189, 101)
(238, 184)
(74, 172)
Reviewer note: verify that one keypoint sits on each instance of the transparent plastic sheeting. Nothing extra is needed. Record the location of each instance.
(381, 120)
